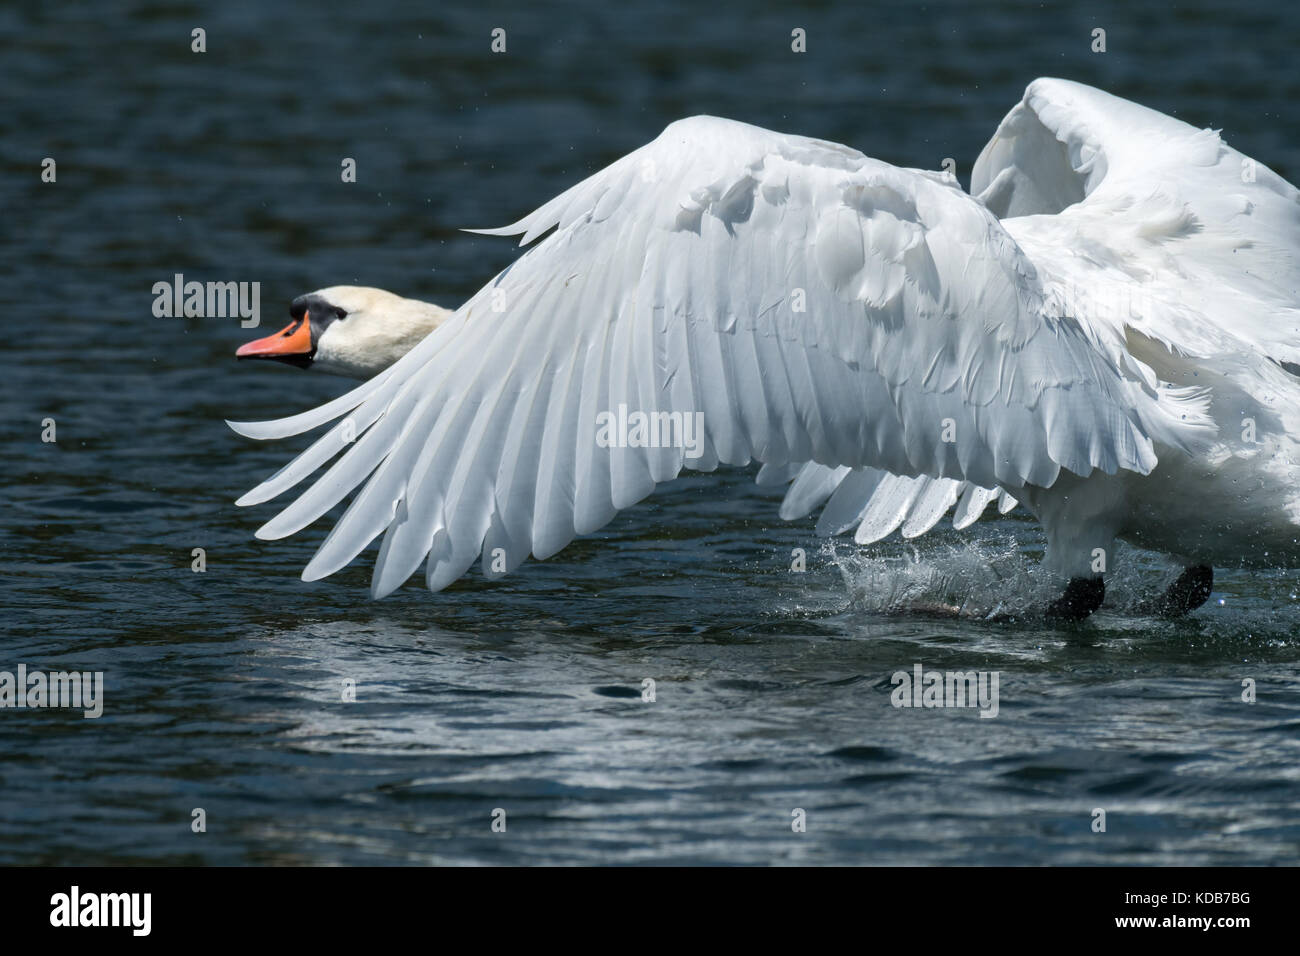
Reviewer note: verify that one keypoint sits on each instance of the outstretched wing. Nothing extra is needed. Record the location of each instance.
(1137, 220)
(797, 300)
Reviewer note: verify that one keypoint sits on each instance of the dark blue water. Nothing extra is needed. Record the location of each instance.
(223, 689)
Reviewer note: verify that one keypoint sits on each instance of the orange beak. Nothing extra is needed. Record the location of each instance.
(292, 344)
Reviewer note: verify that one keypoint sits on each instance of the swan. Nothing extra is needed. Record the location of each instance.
(1104, 332)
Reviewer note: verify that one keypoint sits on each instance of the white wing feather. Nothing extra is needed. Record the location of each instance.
(877, 503)
(1139, 221)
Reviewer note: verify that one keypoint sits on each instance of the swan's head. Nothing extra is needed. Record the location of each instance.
(348, 330)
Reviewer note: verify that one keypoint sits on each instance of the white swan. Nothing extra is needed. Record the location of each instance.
(1106, 334)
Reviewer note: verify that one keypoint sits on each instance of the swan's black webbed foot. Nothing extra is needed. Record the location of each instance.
(1189, 591)
(1082, 597)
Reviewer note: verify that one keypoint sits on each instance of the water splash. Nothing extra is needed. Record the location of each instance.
(981, 580)
(995, 578)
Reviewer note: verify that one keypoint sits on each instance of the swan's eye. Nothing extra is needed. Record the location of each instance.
(340, 313)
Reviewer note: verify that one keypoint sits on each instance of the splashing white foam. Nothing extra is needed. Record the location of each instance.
(978, 580)
(992, 578)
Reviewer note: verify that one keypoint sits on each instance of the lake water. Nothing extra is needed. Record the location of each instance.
(772, 688)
